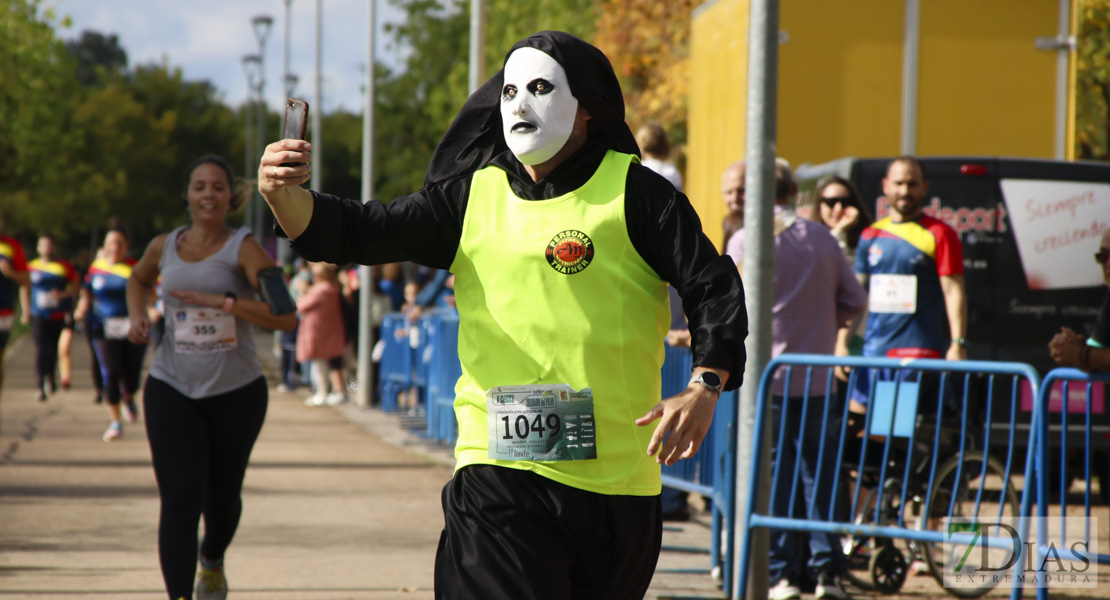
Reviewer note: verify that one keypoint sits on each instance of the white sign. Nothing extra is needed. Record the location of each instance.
(1058, 226)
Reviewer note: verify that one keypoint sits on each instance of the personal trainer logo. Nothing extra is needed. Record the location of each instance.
(570, 252)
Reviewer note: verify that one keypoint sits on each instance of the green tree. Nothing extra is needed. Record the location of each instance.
(1092, 85)
(414, 107)
(97, 56)
(36, 98)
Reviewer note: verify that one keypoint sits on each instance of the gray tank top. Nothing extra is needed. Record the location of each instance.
(205, 352)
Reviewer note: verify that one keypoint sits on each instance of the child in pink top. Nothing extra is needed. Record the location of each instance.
(320, 338)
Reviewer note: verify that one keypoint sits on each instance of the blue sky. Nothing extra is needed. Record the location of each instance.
(207, 38)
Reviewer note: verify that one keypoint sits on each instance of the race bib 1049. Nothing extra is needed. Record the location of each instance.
(541, 422)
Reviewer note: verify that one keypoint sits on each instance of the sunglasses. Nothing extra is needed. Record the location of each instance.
(832, 201)
(1102, 256)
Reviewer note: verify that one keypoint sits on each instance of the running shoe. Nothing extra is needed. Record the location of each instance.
(829, 586)
(114, 431)
(784, 590)
(131, 411)
(335, 398)
(40, 395)
(211, 584)
(315, 400)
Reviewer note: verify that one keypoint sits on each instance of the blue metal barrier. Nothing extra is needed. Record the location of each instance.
(395, 373)
(930, 428)
(1073, 434)
(711, 472)
(443, 371)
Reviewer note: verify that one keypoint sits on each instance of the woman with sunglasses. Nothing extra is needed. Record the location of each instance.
(1068, 348)
(837, 204)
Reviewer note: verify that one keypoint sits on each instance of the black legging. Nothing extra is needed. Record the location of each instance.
(45, 332)
(200, 449)
(121, 366)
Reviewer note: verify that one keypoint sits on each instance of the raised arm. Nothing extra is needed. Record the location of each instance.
(280, 185)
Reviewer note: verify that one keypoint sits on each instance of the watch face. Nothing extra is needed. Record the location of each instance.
(711, 378)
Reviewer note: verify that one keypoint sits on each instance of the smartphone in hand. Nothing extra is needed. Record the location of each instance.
(296, 123)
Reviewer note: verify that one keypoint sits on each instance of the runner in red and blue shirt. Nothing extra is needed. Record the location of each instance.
(13, 273)
(913, 266)
(53, 288)
(121, 361)
(920, 251)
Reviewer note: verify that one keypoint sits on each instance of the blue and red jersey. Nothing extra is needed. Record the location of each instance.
(926, 249)
(49, 278)
(12, 251)
(108, 285)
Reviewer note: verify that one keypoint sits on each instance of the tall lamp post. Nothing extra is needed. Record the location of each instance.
(290, 81)
(251, 68)
(261, 26)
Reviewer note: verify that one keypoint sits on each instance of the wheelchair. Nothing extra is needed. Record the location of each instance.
(897, 486)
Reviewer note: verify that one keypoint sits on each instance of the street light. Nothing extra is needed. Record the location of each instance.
(251, 68)
(261, 26)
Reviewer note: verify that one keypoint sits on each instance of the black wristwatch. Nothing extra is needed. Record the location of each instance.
(709, 379)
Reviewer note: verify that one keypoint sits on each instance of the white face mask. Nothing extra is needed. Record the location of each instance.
(537, 108)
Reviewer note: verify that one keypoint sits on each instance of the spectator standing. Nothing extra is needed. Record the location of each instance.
(320, 337)
(295, 373)
(561, 258)
(837, 204)
(656, 149)
(121, 360)
(732, 190)
(913, 266)
(48, 305)
(815, 293)
(13, 275)
(391, 282)
(1068, 348)
(205, 397)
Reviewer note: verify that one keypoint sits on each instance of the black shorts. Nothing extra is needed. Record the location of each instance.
(514, 534)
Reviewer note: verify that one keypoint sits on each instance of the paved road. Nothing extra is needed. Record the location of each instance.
(340, 503)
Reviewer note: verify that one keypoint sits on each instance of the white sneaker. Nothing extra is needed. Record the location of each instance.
(335, 398)
(315, 400)
(829, 586)
(114, 432)
(784, 590)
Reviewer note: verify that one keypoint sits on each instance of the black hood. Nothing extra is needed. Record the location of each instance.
(475, 137)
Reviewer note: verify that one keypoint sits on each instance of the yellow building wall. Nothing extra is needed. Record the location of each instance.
(718, 102)
(840, 79)
(983, 87)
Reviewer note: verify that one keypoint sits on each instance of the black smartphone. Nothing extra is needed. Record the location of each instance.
(271, 284)
(296, 123)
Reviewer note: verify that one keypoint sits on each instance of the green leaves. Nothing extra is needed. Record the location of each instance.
(1092, 85)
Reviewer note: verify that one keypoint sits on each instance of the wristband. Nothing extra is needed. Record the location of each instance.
(1085, 356)
(229, 302)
